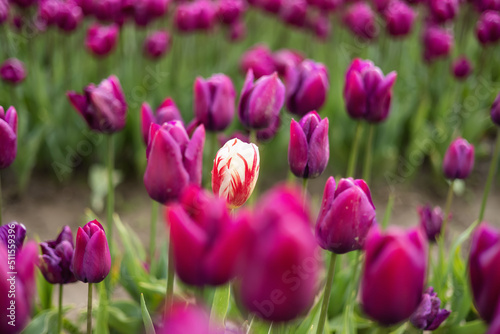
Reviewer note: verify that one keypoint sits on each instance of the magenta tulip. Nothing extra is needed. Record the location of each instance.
(183, 319)
(286, 60)
(294, 12)
(12, 71)
(157, 44)
(8, 136)
(15, 232)
(4, 10)
(461, 68)
(231, 11)
(399, 18)
(488, 27)
(259, 59)
(458, 161)
(145, 11)
(360, 19)
(438, 42)
(101, 40)
(443, 10)
(166, 112)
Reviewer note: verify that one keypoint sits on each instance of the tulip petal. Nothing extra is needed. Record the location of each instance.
(147, 118)
(355, 95)
(193, 156)
(328, 197)
(312, 93)
(297, 150)
(222, 109)
(266, 101)
(97, 259)
(319, 150)
(202, 101)
(244, 96)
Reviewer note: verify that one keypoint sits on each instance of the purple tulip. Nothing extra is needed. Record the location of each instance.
(4, 10)
(69, 16)
(294, 12)
(286, 60)
(91, 261)
(494, 326)
(260, 102)
(12, 71)
(259, 59)
(345, 217)
(174, 161)
(443, 10)
(461, 68)
(367, 93)
(393, 275)
(107, 10)
(438, 42)
(458, 160)
(8, 137)
(101, 40)
(166, 112)
(488, 27)
(271, 6)
(278, 280)
(157, 44)
(308, 151)
(48, 11)
(429, 316)
(231, 11)
(102, 107)
(56, 257)
(360, 19)
(320, 26)
(495, 111)
(431, 221)
(325, 5)
(15, 232)
(484, 262)
(381, 5)
(214, 102)
(399, 18)
(145, 11)
(199, 15)
(484, 5)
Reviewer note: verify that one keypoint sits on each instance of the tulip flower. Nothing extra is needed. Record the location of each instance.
(307, 87)
(207, 242)
(495, 111)
(260, 102)
(393, 275)
(461, 68)
(437, 42)
(320, 26)
(4, 10)
(48, 11)
(102, 107)
(13, 231)
(429, 316)
(458, 160)
(237, 31)
(69, 16)
(231, 11)
(259, 59)
(443, 10)
(214, 102)
(56, 258)
(285, 60)
(101, 40)
(488, 27)
(278, 280)
(367, 93)
(431, 221)
(484, 261)
(157, 44)
(145, 11)
(294, 12)
(345, 217)
(8, 136)
(308, 151)
(360, 19)
(271, 6)
(235, 172)
(107, 10)
(199, 15)
(91, 261)
(166, 112)
(381, 5)
(399, 18)
(174, 160)
(25, 3)
(12, 71)
(182, 319)
(325, 5)
(484, 5)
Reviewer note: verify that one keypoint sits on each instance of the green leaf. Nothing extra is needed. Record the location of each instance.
(44, 322)
(146, 318)
(125, 317)
(309, 324)
(471, 327)
(220, 305)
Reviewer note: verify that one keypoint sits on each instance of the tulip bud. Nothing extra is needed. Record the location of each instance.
(443, 10)
(56, 258)
(166, 112)
(346, 216)
(231, 11)
(260, 102)
(431, 221)
(259, 59)
(101, 40)
(367, 93)
(278, 280)
(429, 316)
(294, 12)
(437, 42)
(393, 275)
(488, 27)
(399, 18)
(157, 44)
(91, 258)
(285, 60)
(206, 14)
(69, 16)
(102, 107)
(17, 233)
(214, 102)
(461, 68)
(8, 137)
(107, 10)
(458, 160)
(360, 19)
(495, 111)
(12, 71)
(48, 11)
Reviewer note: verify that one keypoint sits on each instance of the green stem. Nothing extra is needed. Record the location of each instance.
(491, 175)
(429, 260)
(60, 314)
(89, 310)
(351, 168)
(111, 193)
(388, 210)
(441, 240)
(449, 200)
(369, 154)
(170, 277)
(220, 305)
(152, 233)
(326, 296)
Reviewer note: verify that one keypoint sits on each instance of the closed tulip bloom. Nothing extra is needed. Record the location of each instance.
(484, 261)
(259, 59)
(199, 15)
(4, 10)
(431, 221)
(12, 71)
(399, 18)
(393, 275)
(48, 11)
(107, 10)
(8, 136)
(429, 314)
(56, 257)
(235, 172)
(495, 111)
(443, 10)
(166, 112)
(345, 217)
(367, 92)
(230, 11)
(174, 160)
(286, 60)
(69, 16)
(101, 40)
(279, 279)
(488, 27)
(360, 19)
(147, 10)
(206, 14)
(294, 12)
(15, 232)
(91, 261)
(102, 107)
(438, 42)
(320, 26)
(260, 102)
(157, 44)
(185, 17)
(308, 151)
(458, 161)
(461, 68)
(214, 100)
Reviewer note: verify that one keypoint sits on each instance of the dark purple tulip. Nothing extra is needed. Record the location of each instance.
(4, 10)
(214, 100)
(458, 161)
(495, 111)
(259, 59)
(231, 11)
(393, 275)
(91, 261)
(102, 107)
(278, 280)
(185, 17)
(494, 326)
(69, 16)
(309, 150)
(207, 242)
(285, 60)
(360, 19)
(399, 18)
(488, 27)
(367, 93)
(174, 161)
(206, 14)
(260, 102)
(56, 258)
(157, 44)
(107, 10)
(431, 221)
(294, 12)
(8, 137)
(87, 6)
(101, 40)
(461, 68)
(325, 5)
(443, 10)
(12, 71)
(345, 217)
(438, 42)
(166, 112)
(237, 31)
(484, 273)
(484, 5)
(429, 314)
(307, 86)
(146, 10)
(15, 232)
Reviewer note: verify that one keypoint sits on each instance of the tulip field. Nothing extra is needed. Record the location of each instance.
(267, 144)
